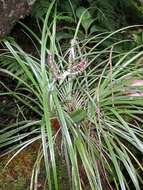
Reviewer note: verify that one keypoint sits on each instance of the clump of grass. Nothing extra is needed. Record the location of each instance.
(85, 91)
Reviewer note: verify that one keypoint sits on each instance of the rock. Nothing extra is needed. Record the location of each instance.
(11, 11)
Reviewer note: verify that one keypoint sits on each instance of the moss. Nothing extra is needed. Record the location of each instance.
(16, 176)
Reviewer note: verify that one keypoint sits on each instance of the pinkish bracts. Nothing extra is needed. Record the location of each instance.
(73, 69)
(78, 68)
(137, 83)
(134, 93)
(137, 94)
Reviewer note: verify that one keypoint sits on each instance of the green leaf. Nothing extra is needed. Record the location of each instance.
(78, 115)
(87, 19)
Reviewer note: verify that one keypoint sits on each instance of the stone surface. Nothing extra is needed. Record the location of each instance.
(11, 11)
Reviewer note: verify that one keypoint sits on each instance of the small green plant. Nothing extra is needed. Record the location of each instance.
(85, 98)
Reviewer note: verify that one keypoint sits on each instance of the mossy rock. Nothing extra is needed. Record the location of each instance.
(17, 175)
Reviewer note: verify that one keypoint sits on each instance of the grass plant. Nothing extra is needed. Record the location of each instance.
(89, 92)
